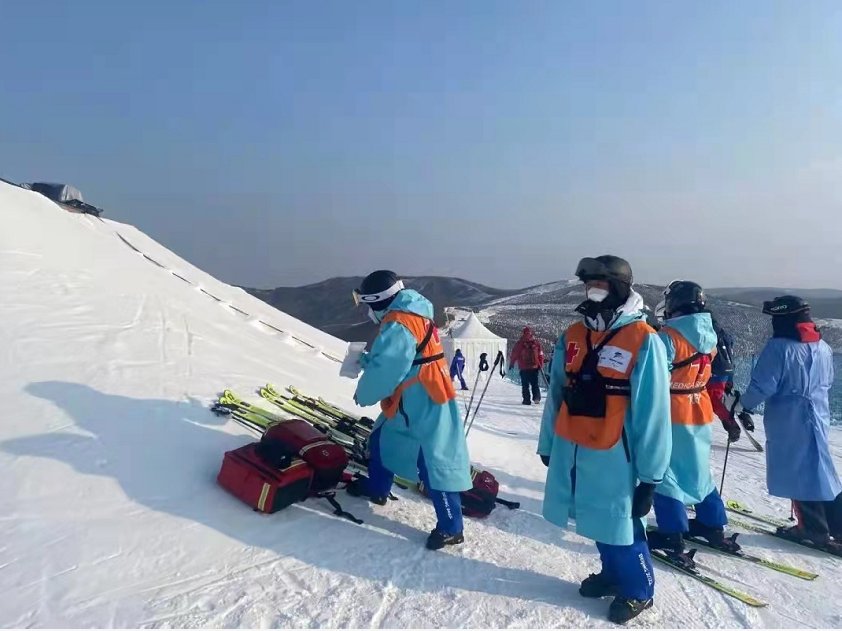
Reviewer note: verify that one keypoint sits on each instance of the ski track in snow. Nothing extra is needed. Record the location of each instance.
(110, 514)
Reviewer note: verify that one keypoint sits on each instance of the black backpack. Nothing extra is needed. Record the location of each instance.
(723, 363)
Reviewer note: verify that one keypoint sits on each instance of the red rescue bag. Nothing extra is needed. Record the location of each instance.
(264, 487)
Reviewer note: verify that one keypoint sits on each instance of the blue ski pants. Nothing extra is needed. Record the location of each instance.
(448, 504)
(629, 568)
(671, 514)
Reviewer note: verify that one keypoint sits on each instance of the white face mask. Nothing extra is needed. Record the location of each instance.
(596, 294)
(372, 315)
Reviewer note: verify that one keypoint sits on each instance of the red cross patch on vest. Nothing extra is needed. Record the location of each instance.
(572, 352)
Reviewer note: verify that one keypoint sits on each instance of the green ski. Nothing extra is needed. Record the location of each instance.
(751, 558)
(749, 600)
(736, 507)
(771, 530)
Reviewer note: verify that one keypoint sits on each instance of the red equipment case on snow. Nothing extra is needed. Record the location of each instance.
(262, 486)
(481, 499)
(327, 459)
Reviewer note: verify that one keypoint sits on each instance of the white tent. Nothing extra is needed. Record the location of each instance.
(473, 339)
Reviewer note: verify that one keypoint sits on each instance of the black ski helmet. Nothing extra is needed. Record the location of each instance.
(785, 305)
(616, 271)
(378, 289)
(605, 267)
(682, 297)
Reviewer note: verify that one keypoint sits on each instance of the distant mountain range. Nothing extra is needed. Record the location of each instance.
(825, 303)
(329, 305)
(547, 309)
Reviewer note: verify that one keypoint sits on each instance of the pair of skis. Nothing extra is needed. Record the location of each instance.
(764, 524)
(701, 574)
(258, 419)
(783, 568)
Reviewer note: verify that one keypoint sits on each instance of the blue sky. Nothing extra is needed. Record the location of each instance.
(285, 142)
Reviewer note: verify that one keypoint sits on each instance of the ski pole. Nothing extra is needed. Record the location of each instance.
(751, 438)
(483, 366)
(724, 467)
(497, 360)
(546, 379)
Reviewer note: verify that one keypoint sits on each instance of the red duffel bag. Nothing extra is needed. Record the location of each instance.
(327, 459)
(266, 488)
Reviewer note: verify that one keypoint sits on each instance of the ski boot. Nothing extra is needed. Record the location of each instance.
(527, 402)
(822, 542)
(669, 542)
(597, 586)
(358, 487)
(715, 536)
(673, 545)
(624, 609)
(797, 533)
(437, 540)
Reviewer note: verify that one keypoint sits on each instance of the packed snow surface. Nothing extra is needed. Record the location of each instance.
(113, 347)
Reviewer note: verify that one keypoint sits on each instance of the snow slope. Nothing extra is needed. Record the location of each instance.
(110, 515)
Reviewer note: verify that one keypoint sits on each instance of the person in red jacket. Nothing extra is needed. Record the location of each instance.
(529, 357)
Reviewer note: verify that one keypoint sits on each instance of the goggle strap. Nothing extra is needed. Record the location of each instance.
(383, 295)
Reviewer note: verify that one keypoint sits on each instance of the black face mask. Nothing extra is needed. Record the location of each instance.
(786, 326)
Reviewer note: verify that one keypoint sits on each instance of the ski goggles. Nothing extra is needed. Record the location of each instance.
(592, 269)
(367, 299)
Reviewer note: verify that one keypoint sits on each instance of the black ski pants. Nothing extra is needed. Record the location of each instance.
(529, 380)
(821, 519)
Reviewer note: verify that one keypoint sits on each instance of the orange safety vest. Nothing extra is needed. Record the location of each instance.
(433, 374)
(617, 354)
(689, 400)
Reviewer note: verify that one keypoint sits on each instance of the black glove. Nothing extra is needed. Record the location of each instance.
(733, 428)
(642, 500)
(545, 460)
(746, 420)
